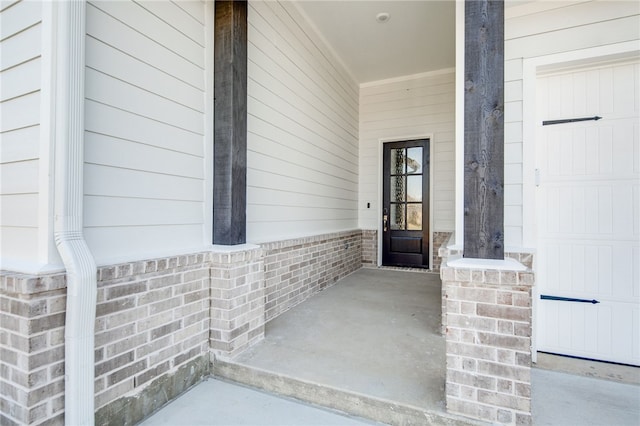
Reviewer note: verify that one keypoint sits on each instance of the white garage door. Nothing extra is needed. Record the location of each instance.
(588, 201)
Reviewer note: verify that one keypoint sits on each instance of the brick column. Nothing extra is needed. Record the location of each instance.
(32, 348)
(237, 299)
(488, 342)
(370, 248)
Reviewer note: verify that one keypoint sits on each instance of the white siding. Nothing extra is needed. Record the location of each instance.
(302, 176)
(20, 84)
(145, 127)
(419, 106)
(543, 28)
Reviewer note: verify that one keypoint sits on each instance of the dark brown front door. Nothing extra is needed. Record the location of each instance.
(405, 209)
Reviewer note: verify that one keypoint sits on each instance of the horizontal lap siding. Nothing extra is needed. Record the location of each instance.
(20, 94)
(145, 126)
(409, 108)
(544, 28)
(302, 176)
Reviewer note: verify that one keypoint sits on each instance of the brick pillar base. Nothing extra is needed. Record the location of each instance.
(369, 248)
(237, 299)
(32, 348)
(488, 341)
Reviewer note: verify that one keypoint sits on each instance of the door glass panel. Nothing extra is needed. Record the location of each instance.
(398, 189)
(397, 161)
(414, 188)
(414, 160)
(397, 217)
(414, 217)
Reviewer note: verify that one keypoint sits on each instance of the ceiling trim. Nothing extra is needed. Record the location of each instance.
(408, 77)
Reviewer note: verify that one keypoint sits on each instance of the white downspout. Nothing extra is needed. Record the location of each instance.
(78, 261)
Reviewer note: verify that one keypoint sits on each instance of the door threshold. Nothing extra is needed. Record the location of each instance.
(407, 268)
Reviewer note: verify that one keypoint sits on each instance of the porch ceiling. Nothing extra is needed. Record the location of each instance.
(418, 37)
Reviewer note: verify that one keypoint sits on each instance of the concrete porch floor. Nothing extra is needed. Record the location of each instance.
(371, 346)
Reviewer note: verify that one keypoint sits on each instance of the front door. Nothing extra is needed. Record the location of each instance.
(405, 210)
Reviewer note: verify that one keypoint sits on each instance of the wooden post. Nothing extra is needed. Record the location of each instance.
(230, 123)
(484, 130)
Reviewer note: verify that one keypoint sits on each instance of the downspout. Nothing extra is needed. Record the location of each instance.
(78, 261)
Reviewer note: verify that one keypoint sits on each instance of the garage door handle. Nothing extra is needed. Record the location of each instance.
(567, 299)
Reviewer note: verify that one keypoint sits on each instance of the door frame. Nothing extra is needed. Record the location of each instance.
(531, 68)
(380, 181)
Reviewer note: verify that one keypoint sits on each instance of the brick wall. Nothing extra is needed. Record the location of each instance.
(295, 269)
(369, 248)
(151, 342)
(158, 322)
(488, 343)
(151, 318)
(32, 348)
(440, 239)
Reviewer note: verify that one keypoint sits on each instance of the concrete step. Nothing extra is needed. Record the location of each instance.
(349, 402)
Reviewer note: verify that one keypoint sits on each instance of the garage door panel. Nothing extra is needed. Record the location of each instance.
(578, 330)
(635, 344)
(624, 99)
(592, 151)
(587, 210)
(589, 214)
(623, 328)
(636, 148)
(636, 271)
(605, 94)
(589, 330)
(607, 210)
(623, 211)
(595, 270)
(622, 270)
(623, 149)
(602, 336)
(636, 210)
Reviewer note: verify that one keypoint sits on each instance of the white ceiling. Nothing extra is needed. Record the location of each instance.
(418, 37)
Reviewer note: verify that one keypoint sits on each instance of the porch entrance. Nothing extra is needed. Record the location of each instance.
(588, 204)
(405, 209)
(369, 345)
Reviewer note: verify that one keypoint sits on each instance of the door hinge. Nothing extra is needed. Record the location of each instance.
(570, 120)
(568, 299)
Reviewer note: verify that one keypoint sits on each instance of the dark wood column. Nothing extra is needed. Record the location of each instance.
(230, 123)
(484, 130)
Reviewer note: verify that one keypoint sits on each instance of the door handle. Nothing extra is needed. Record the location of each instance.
(385, 219)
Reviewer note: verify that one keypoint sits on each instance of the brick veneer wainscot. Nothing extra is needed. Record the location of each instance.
(159, 323)
(32, 348)
(296, 269)
(152, 316)
(369, 248)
